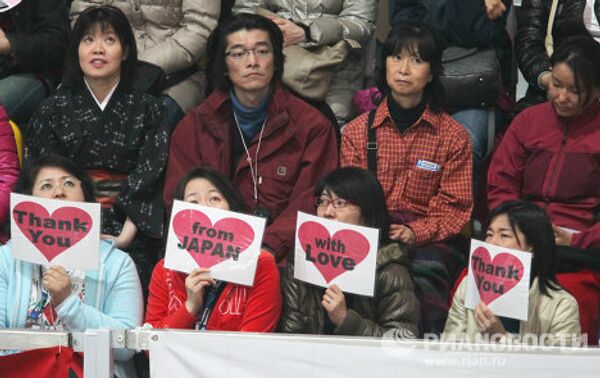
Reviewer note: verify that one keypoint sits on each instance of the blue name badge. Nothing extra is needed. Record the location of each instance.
(428, 166)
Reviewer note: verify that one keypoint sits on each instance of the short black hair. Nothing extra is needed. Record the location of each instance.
(360, 187)
(537, 228)
(32, 168)
(243, 21)
(416, 39)
(582, 55)
(222, 183)
(108, 17)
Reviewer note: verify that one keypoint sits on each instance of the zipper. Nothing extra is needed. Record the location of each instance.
(553, 184)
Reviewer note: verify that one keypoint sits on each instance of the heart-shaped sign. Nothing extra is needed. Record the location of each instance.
(496, 277)
(332, 255)
(210, 244)
(52, 234)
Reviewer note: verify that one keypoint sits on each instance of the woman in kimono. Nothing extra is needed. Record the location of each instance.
(118, 135)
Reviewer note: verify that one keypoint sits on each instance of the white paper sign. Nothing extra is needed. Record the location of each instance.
(6, 5)
(226, 242)
(55, 232)
(330, 252)
(499, 277)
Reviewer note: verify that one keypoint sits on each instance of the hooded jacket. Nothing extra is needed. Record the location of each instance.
(394, 305)
(554, 163)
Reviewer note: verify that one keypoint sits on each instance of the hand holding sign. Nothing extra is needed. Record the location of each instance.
(501, 282)
(333, 252)
(195, 283)
(203, 237)
(65, 233)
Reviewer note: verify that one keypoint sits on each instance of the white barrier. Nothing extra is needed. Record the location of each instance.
(231, 354)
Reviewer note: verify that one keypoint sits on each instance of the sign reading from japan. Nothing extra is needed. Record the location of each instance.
(55, 232)
(499, 277)
(6, 5)
(226, 242)
(330, 252)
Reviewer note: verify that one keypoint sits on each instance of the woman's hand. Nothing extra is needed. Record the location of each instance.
(494, 8)
(292, 33)
(402, 233)
(57, 283)
(195, 283)
(562, 236)
(335, 305)
(126, 236)
(487, 322)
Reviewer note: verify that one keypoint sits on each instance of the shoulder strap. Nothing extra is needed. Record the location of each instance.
(371, 144)
(549, 41)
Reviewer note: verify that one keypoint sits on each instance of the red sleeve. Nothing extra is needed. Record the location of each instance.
(505, 174)
(589, 238)
(183, 155)
(263, 306)
(9, 164)
(319, 158)
(159, 300)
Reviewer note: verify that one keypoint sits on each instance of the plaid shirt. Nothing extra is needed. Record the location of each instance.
(425, 170)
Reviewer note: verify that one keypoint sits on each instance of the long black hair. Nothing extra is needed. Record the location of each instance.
(537, 228)
(108, 17)
(360, 187)
(222, 183)
(421, 40)
(32, 168)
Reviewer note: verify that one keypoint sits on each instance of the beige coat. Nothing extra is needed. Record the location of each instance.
(556, 318)
(171, 34)
(330, 21)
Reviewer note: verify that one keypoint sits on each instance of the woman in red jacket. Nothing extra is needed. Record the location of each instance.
(9, 168)
(195, 300)
(550, 155)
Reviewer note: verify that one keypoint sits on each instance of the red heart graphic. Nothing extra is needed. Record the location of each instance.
(495, 278)
(192, 225)
(356, 247)
(52, 234)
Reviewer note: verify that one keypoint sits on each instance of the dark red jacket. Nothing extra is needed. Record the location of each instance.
(298, 147)
(239, 308)
(554, 163)
(9, 168)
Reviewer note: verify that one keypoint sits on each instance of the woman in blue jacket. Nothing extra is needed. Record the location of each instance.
(53, 298)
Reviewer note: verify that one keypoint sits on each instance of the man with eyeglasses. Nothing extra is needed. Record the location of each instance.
(272, 145)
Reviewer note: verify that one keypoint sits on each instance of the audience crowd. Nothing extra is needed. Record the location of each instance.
(136, 103)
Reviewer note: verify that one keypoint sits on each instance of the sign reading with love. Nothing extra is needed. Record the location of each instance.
(226, 242)
(329, 252)
(499, 277)
(55, 232)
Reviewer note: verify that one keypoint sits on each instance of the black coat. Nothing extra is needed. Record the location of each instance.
(39, 43)
(532, 27)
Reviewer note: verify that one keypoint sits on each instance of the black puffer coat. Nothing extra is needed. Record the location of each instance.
(393, 307)
(532, 27)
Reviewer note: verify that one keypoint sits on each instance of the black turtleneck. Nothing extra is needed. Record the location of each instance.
(404, 118)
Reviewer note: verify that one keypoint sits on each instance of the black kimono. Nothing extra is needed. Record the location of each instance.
(128, 138)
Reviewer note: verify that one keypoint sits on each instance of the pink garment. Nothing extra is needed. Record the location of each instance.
(9, 169)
